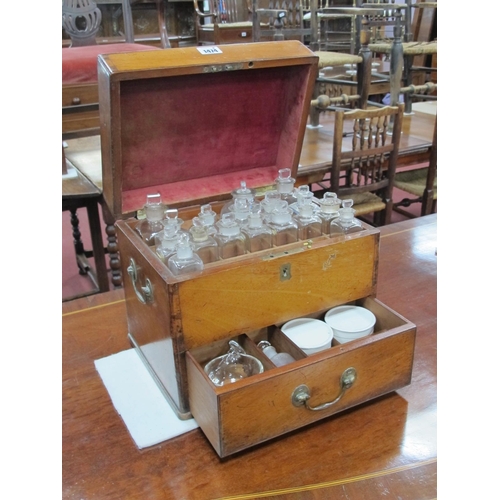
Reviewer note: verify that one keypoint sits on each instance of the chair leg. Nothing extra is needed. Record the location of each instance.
(97, 247)
(77, 242)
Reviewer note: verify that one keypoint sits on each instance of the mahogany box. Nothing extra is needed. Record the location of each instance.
(192, 125)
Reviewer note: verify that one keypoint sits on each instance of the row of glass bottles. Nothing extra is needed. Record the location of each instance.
(285, 215)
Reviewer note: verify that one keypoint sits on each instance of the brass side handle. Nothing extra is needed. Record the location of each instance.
(144, 293)
(302, 393)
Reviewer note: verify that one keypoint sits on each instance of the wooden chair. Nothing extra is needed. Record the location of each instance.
(401, 48)
(226, 21)
(364, 161)
(81, 20)
(78, 192)
(421, 183)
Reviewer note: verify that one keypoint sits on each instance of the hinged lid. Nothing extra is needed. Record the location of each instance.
(191, 125)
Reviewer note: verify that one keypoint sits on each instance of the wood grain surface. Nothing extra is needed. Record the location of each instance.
(386, 448)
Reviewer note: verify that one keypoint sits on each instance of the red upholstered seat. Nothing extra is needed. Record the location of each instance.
(79, 64)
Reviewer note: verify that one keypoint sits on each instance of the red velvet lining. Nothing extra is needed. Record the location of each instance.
(192, 136)
(79, 64)
(198, 191)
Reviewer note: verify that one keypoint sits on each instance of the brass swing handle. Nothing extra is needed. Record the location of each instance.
(302, 394)
(144, 293)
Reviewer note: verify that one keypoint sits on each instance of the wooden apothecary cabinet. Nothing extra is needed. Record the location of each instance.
(192, 126)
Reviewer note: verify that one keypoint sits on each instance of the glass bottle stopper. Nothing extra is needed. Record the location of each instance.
(281, 214)
(154, 208)
(198, 230)
(207, 215)
(227, 225)
(285, 182)
(329, 203)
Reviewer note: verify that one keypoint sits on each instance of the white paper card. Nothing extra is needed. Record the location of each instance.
(138, 400)
(212, 49)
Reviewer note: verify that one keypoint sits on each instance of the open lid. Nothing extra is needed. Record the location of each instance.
(192, 123)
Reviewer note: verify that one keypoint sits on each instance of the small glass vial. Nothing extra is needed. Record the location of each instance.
(204, 245)
(285, 184)
(285, 229)
(166, 247)
(208, 217)
(229, 237)
(346, 223)
(241, 192)
(328, 210)
(310, 225)
(278, 358)
(259, 236)
(151, 225)
(184, 260)
(269, 203)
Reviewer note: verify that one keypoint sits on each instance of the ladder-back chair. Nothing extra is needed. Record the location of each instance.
(420, 183)
(364, 159)
(226, 21)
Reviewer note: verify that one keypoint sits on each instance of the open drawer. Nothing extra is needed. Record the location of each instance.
(242, 414)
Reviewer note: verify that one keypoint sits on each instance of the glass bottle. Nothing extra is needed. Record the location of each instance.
(269, 203)
(285, 185)
(208, 217)
(151, 225)
(166, 247)
(278, 358)
(241, 211)
(184, 260)
(229, 237)
(259, 236)
(285, 229)
(346, 223)
(171, 220)
(300, 193)
(204, 245)
(328, 210)
(241, 192)
(310, 225)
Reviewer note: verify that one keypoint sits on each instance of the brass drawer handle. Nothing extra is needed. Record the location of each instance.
(145, 293)
(302, 394)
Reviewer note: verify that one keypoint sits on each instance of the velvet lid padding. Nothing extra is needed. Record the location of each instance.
(205, 134)
(79, 64)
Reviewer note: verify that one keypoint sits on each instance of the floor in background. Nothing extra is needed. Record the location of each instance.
(73, 283)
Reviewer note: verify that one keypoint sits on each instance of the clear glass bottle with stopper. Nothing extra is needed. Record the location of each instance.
(346, 223)
(269, 203)
(285, 184)
(171, 220)
(285, 229)
(152, 225)
(259, 236)
(310, 225)
(242, 192)
(204, 245)
(328, 210)
(166, 248)
(229, 237)
(278, 358)
(208, 217)
(184, 260)
(241, 210)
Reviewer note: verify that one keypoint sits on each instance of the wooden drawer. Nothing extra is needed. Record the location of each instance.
(234, 296)
(239, 415)
(80, 94)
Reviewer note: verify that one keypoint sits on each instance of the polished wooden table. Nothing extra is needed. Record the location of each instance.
(382, 449)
